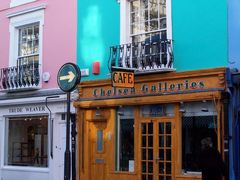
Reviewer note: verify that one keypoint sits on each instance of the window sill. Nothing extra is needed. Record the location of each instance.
(26, 169)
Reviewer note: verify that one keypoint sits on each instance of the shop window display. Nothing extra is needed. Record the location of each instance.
(27, 141)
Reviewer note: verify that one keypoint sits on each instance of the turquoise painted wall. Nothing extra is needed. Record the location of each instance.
(98, 29)
(199, 34)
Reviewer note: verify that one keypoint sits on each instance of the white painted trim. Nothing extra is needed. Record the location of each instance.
(124, 22)
(27, 10)
(169, 18)
(14, 3)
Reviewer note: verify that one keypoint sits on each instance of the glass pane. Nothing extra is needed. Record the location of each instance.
(150, 128)
(168, 154)
(134, 18)
(161, 168)
(144, 4)
(144, 167)
(161, 128)
(168, 141)
(153, 25)
(150, 141)
(150, 154)
(27, 141)
(168, 168)
(161, 154)
(168, 128)
(100, 140)
(194, 129)
(161, 141)
(150, 167)
(161, 177)
(135, 6)
(126, 143)
(144, 140)
(150, 177)
(168, 178)
(144, 154)
(144, 128)
(163, 23)
(144, 177)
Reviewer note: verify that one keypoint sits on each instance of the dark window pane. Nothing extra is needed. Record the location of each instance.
(150, 177)
(168, 168)
(144, 167)
(161, 168)
(144, 177)
(150, 141)
(150, 154)
(194, 129)
(100, 140)
(144, 141)
(168, 177)
(168, 154)
(150, 167)
(150, 128)
(161, 128)
(161, 177)
(144, 154)
(168, 141)
(126, 145)
(144, 128)
(161, 141)
(161, 154)
(168, 128)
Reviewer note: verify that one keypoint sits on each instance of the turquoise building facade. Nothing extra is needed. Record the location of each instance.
(205, 34)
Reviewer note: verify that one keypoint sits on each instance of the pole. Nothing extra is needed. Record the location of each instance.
(74, 133)
(67, 157)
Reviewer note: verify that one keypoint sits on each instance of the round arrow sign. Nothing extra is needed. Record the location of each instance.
(69, 75)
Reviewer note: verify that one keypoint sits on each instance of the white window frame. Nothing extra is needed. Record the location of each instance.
(14, 3)
(22, 18)
(125, 20)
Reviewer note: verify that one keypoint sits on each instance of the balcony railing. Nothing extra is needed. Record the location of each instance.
(143, 56)
(21, 77)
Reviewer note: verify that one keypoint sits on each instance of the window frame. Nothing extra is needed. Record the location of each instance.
(125, 24)
(20, 20)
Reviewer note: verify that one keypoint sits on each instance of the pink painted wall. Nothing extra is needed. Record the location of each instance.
(59, 35)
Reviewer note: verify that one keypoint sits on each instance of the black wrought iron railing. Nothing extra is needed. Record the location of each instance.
(143, 56)
(25, 75)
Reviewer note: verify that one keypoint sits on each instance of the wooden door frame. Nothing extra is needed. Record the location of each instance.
(173, 140)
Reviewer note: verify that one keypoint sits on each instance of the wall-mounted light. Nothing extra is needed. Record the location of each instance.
(120, 111)
(204, 106)
(182, 108)
(98, 112)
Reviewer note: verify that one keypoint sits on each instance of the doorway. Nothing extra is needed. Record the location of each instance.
(156, 149)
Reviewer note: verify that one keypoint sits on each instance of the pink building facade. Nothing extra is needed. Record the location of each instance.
(36, 38)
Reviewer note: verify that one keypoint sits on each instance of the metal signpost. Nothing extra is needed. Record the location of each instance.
(69, 75)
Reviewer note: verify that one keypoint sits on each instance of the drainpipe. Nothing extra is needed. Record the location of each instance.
(230, 121)
(51, 124)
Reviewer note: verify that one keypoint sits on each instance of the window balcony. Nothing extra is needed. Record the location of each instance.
(24, 76)
(143, 57)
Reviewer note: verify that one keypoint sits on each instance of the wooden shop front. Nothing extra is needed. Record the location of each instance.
(151, 131)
